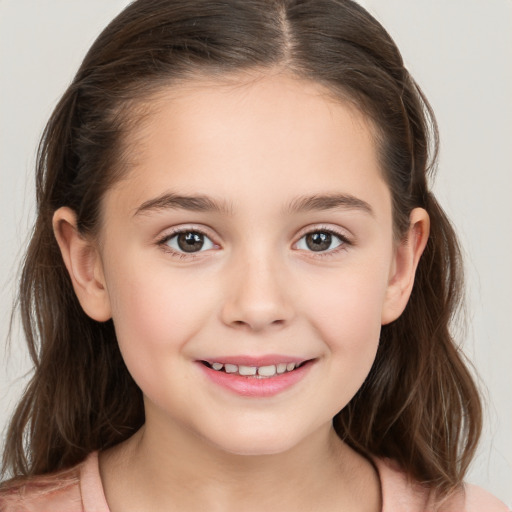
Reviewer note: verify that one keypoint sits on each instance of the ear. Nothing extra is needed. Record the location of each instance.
(406, 259)
(84, 265)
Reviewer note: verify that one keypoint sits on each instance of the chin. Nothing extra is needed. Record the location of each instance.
(252, 449)
(245, 443)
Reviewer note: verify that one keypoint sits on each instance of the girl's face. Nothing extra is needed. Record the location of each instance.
(253, 232)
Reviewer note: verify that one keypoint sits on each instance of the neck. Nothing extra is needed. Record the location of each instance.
(171, 471)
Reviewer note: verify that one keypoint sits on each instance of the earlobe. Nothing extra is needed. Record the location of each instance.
(406, 259)
(84, 265)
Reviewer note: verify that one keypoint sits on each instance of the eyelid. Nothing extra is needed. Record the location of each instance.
(162, 240)
(346, 240)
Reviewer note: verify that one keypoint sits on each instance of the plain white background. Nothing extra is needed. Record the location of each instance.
(460, 52)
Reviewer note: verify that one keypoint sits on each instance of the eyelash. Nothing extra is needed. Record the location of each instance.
(162, 242)
(344, 242)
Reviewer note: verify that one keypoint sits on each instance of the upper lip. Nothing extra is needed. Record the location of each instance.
(265, 360)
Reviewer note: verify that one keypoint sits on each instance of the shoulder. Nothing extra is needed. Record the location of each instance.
(477, 499)
(64, 491)
(401, 494)
(56, 492)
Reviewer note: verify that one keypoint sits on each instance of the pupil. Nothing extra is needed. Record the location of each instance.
(190, 242)
(318, 241)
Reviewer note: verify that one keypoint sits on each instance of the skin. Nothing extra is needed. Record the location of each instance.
(256, 146)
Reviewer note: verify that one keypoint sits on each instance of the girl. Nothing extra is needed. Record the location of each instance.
(239, 287)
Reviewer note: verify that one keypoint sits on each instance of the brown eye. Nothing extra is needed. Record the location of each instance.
(320, 241)
(189, 242)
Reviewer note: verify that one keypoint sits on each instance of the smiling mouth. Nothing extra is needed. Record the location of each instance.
(258, 372)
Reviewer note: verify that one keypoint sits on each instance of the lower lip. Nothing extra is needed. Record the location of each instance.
(256, 387)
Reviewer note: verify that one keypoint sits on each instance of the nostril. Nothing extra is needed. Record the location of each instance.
(255, 324)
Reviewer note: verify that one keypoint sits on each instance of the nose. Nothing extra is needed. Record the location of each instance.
(257, 296)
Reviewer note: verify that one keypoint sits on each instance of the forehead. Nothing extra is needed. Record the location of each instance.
(248, 137)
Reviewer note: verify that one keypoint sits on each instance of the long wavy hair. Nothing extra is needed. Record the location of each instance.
(418, 406)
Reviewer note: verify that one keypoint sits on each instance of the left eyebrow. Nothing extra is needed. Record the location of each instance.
(329, 202)
(183, 202)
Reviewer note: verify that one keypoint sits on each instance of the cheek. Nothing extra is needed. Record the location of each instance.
(154, 316)
(346, 312)
(348, 321)
(150, 298)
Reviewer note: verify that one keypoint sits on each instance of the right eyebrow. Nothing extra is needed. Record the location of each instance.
(191, 203)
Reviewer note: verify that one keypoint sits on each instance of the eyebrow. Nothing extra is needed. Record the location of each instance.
(329, 202)
(191, 203)
(298, 205)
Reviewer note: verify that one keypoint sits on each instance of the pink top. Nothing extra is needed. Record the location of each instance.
(79, 489)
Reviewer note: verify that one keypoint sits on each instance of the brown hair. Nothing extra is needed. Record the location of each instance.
(418, 405)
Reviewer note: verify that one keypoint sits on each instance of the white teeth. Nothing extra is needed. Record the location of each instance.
(247, 370)
(251, 371)
(267, 371)
(281, 367)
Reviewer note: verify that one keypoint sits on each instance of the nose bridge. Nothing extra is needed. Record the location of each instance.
(256, 295)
